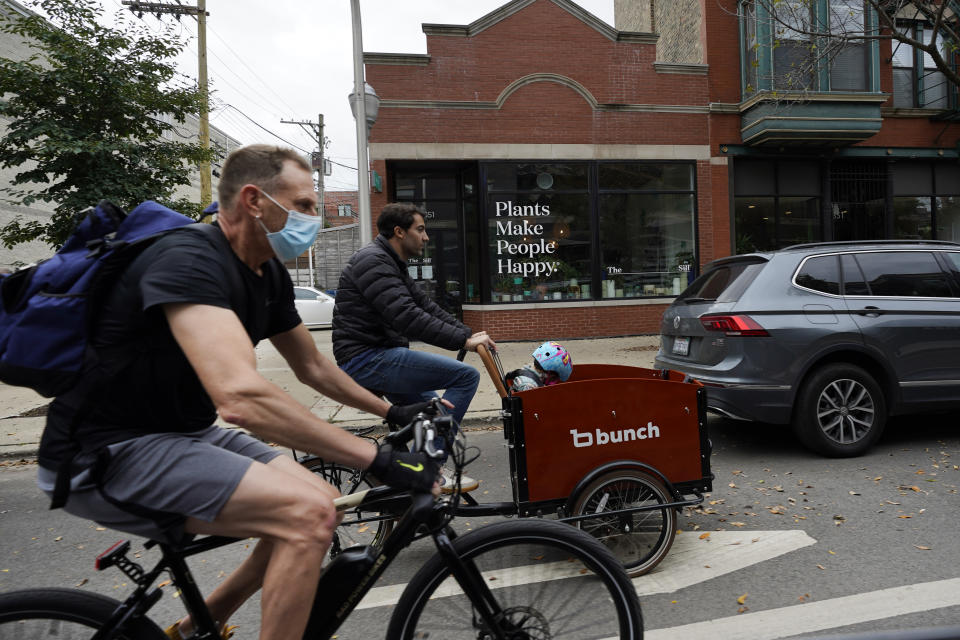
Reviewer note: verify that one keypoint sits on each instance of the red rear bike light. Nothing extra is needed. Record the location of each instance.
(733, 325)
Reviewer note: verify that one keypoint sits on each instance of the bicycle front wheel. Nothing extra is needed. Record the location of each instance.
(542, 578)
(64, 614)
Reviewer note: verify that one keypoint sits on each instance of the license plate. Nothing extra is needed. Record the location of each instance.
(681, 346)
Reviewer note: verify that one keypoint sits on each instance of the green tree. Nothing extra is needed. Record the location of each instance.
(88, 111)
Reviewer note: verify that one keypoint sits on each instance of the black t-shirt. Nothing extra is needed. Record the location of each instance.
(143, 382)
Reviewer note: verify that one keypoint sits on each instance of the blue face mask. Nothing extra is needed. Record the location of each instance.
(297, 235)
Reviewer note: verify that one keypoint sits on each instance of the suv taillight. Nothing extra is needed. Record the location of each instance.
(733, 325)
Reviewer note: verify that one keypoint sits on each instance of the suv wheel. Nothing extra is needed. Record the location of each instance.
(840, 411)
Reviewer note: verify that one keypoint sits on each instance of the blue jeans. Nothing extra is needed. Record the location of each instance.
(405, 376)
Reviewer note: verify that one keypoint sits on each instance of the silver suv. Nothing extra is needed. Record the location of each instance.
(830, 337)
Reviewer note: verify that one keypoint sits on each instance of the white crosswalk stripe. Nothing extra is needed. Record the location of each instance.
(691, 560)
(820, 616)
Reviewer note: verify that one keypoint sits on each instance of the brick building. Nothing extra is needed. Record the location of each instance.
(577, 176)
(339, 208)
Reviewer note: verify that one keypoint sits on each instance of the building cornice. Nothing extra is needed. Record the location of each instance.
(908, 112)
(409, 59)
(682, 69)
(507, 10)
(520, 151)
(725, 107)
(812, 96)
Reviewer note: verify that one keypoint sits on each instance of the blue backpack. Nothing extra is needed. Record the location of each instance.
(48, 309)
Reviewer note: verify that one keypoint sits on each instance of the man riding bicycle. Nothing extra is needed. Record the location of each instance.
(379, 309)
(175, 345)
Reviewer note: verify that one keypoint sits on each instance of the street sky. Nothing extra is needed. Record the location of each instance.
(293, 60)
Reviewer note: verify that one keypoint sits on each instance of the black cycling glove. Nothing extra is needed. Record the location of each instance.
(401, 416)
(404, 469)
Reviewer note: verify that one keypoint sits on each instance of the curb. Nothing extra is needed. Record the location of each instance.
(476, 420)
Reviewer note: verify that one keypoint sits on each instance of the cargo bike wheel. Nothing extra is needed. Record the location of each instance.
(358, 528)
(639, 539)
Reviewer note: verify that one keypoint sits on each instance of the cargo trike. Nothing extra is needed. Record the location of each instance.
(616, 451)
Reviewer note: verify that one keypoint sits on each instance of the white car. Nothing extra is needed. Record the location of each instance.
(314, 306)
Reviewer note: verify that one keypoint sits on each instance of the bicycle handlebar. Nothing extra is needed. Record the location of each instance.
(424, 429)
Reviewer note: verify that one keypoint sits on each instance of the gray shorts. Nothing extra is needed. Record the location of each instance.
(151, 484)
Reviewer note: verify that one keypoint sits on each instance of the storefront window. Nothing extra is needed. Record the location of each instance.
(912, 218)
(776, 204)
(646, 244)
(948, 218)
(755, 218)
(539, 246)
(799, 220)
(439, 271)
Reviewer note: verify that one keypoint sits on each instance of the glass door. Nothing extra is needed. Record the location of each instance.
(858, 200)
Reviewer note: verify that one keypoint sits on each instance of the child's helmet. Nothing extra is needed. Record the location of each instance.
(551, 356)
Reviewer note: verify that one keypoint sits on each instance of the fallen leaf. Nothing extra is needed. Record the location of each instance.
(839, 517)
(921, 547)
(833, 553)
(165, 583)
(778, 488)
(904, 517)
(738, 524)
(704, 536)
(58, 539)
(363, 529)
(736, 472)
(821, 567)
(853, 493)
(742, 599)
(743, 609)
(732, 485)
(81, 583)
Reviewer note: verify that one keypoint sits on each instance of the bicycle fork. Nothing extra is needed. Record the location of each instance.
(468, 576)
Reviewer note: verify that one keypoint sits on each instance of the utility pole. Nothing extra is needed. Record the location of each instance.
(200, 12)
(315, 129)
(317, 161)
(363, 165)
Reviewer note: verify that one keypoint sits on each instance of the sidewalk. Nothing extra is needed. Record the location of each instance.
(22, 414)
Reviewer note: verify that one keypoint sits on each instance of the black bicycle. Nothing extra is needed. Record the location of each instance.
(514, 580)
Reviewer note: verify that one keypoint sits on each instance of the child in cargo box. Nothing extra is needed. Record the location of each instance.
(551, 364)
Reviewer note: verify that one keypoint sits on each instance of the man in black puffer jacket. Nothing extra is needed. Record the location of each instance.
(379, 309)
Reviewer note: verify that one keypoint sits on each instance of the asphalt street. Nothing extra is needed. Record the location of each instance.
(788, 545)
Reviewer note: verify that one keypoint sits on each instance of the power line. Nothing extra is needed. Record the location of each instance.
(265, 129)
(225, 81)
(340, 164)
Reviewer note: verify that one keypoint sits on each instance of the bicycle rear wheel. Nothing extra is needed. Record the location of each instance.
(354, 531)
(549, 580)
(640, 540)
(64, 614)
